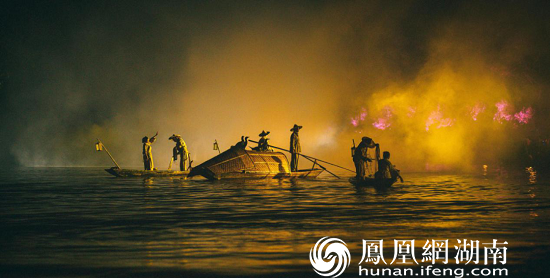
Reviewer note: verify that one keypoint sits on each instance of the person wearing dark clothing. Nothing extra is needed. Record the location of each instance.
(295, 148)
(263, 146)
(360, 157)
(386, 170)
(148, 152)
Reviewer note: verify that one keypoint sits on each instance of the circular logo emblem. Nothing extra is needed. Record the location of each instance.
(329, 257)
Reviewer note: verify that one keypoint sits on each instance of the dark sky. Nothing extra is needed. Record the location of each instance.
(71, 71)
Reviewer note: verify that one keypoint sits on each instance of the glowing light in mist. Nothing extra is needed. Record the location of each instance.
(436, 119)
(524, 115)
(476, 110)
(327, 137)
(359, 118)
(384, 122)
(503, 113)
(411, 111)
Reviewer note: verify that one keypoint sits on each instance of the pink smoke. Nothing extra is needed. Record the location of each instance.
(503, 113)
(359, 118)
(436, 119)
(384, 122)
(411, 111)
(524, 115)
(476, 110)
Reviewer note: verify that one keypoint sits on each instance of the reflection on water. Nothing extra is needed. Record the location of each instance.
(532, 175)
(82, 218)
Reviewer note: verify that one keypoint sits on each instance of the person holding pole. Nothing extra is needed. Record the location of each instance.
(360, 157)
(295, 148)
(263, 145)
(148, 152)
(180, 149)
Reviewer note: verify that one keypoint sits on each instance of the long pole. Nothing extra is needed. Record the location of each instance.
(108, 153)
(322, 167)
(307, 156)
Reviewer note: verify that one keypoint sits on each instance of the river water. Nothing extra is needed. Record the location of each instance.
(81, 222)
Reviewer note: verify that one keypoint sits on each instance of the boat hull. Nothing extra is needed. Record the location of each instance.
(238, 163)
(300, 174)
(127, 173)
(372, 182)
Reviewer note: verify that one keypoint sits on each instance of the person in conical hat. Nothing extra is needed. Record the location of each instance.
(295, 148)
(148, 152)
(180, 150)
(263, 146)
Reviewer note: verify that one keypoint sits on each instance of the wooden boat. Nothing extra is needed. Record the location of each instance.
(238, 163)
(371, 181)
(127, 173)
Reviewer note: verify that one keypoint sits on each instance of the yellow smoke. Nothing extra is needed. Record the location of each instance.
(319, 67)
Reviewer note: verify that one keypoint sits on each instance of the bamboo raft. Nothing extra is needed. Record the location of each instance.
(238, 163)
(127, 173)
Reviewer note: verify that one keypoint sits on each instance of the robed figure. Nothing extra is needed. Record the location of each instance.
(361, 157)
(295, 148)
(148, 152)
(180, 150)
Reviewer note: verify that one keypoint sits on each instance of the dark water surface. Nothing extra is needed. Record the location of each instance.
(80, 222)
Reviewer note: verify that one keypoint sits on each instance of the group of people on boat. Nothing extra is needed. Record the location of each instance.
(180, 150)
(361, 158)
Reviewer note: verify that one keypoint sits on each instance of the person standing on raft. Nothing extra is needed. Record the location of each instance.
(295, 148)
(360, 157)
(148, 152)
(181, 150)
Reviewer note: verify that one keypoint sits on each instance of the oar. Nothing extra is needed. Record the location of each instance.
(308, 157)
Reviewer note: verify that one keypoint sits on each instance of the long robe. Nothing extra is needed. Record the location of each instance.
(295, 149)
(181, 150)
(148, 156)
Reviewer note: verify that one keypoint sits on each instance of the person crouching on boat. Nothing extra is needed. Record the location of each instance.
(181, 150)
(263, 146)
(295, 148)
(386, 170)
(148, 152)
(360, 157)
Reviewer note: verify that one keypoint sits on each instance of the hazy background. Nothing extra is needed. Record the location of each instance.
(73, 71)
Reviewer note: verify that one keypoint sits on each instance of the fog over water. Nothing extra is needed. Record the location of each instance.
(442, 85)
